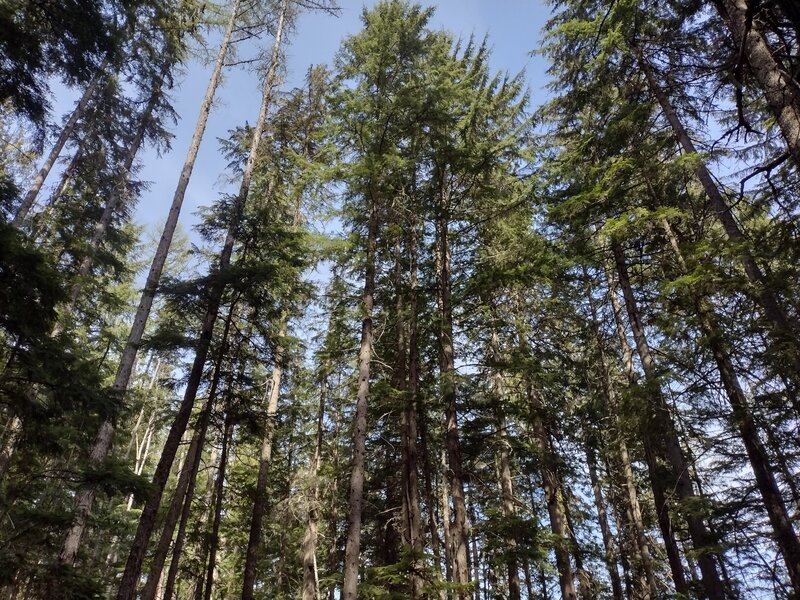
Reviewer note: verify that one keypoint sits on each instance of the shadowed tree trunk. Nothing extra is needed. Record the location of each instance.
(102, 444)
(219, 493)
(657, 481)
(264, 464)
(783, 332)
(147, 520)
(459, 528)
(356, 496)
(774, 505)
(660, 421)
(781, 90)
(504, 457)
(645, 582)
(310, 577)
(602, 518)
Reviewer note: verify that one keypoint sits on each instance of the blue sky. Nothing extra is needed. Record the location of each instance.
(513, 27)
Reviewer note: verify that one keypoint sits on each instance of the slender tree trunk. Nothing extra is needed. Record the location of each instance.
(646, 586)
(264, 464)
(551, 485)
(66, 132)
(783, 331)
(127, 587)
(785, 536)
(219, 493)
(102, 444)
(553, 498)
(661, 421)
(310, 579)
(602, 517)
(430, 498)
(475, 561)
(405, 377)
(781, 90)
(526, 567)
(13, 434)
(353, 545)
(184, 492)
(460, 529)
(446, 525)
(504, 455)
(332, 560)
(656, 476)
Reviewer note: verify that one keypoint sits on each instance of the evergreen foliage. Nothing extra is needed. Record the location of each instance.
(440, 344)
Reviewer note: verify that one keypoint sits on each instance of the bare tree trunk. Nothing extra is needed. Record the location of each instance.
(13, 434)
(332, 559)
(504, 456)
(66, 132)
(602, 517)
(447, 372)
(102, 444)
(219, 493)
(657, 480)
(184, 492)
(406, 380)
(553, 494)
(353, 545)
(774, 504)
(553, 498)
(646, 587)
(660, 420)
(310, 579)
(265, 462)
(430, 498)
(446, 526)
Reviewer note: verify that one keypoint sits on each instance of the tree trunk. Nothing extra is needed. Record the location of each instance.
(657, 478)
(781, 91)
(430, 498)
(553, 498)
(264, 464)
(353, 545)
(504, 456)
(645, 584)
(660, 420)
(602, 517)
(446, 526)
(102, 445)
(447, 373)
(127, 588)
(783, 331)
(218, 498)
(550, 483)
(13, 434)
(184, 490)
(310, 579)
(407, 382)
(785, 536)
(66, 132)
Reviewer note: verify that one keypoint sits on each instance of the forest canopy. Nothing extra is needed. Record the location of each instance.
(431, 339)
